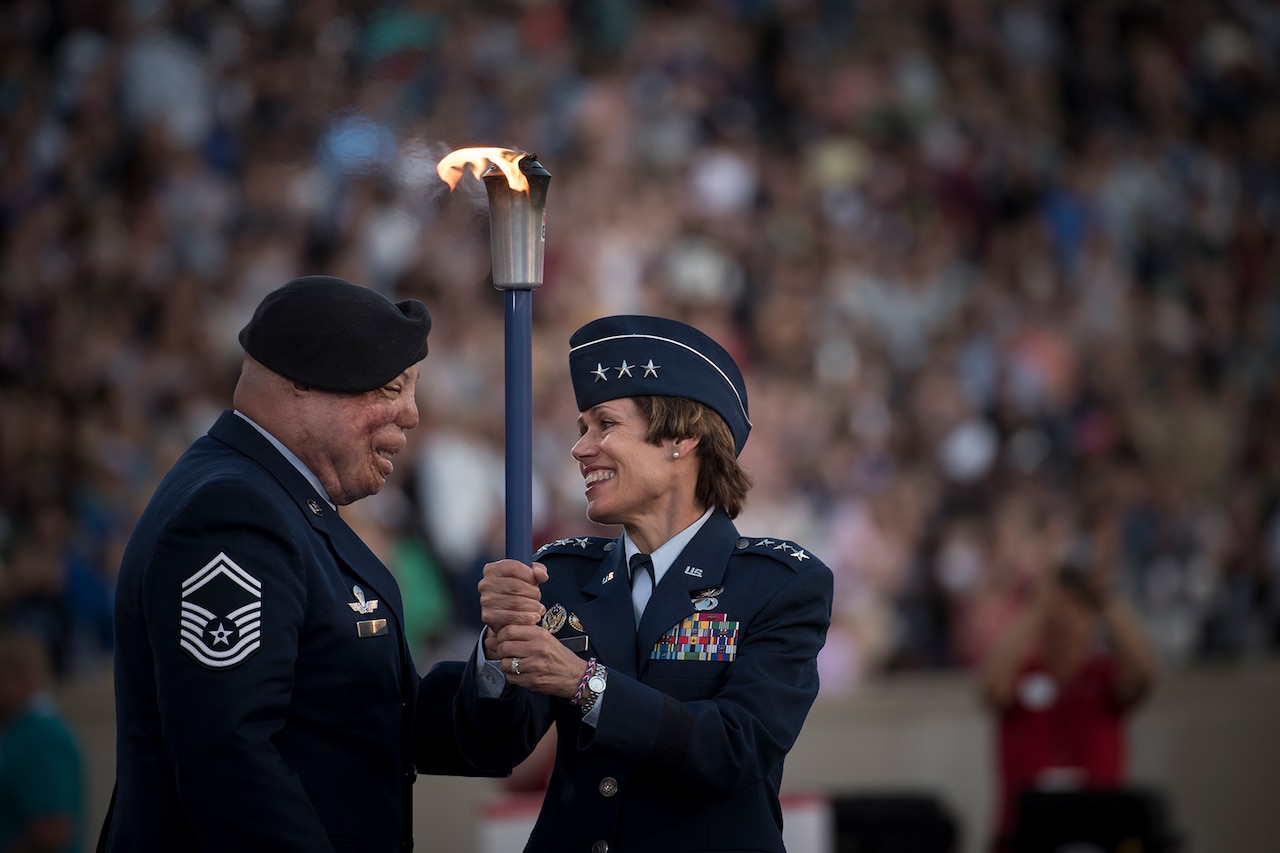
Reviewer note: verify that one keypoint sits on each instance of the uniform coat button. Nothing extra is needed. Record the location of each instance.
(608, 786)
(600, 847)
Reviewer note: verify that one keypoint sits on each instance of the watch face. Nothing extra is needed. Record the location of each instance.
(596, 684)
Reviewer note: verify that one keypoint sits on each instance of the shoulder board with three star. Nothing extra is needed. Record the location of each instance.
(579, 546)
(781, 550)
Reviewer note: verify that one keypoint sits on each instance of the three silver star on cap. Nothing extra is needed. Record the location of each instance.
(601, 373)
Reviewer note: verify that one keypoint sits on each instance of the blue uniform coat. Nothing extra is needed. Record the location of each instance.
(703, 701)
(254, 711)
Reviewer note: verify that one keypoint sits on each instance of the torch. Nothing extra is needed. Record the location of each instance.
(517, 187)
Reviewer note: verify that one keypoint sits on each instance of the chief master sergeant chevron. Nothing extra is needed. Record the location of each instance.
(265, 697)
(678, 661)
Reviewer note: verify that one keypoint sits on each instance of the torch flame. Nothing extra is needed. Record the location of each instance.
(477, 160)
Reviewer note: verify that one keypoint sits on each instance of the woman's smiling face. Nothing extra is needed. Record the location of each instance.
(627, 478)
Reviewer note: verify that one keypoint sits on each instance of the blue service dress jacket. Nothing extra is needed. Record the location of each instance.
(703, 702)
(265, 693)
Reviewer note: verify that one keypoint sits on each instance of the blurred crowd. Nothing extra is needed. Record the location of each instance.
(1002, 275)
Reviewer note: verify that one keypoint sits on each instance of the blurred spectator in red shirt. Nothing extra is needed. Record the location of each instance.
(1062, 681)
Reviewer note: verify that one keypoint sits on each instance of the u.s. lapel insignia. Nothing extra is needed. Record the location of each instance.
(314, 507)
(693, 571)
(553, 619)
(360, 605)
(607, 578)
(706, 599)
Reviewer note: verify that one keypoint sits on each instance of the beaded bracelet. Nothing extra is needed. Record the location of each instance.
(582, 685)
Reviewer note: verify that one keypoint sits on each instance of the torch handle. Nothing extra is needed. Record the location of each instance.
(519, 424)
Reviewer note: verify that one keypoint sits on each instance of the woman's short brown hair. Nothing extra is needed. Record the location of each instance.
(721, 480)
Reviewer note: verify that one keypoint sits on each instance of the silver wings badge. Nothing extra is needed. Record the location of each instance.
(360, 605)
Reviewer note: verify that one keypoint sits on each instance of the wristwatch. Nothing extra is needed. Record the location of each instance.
(595, 686)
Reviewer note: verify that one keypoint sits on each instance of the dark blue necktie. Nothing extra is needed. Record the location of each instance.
(641, 561)
(641, 565)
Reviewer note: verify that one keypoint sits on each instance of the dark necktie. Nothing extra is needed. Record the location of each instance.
(641, 567)
(641, 561)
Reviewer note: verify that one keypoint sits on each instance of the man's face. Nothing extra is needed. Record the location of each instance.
(350, 438)
(627, 479)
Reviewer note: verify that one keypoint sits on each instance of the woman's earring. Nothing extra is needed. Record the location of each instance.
(675, 455)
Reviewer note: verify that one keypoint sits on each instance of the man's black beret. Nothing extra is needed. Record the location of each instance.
(638, 356)
(336, 336)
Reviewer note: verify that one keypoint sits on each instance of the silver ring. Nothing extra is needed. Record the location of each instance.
(515, 666)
